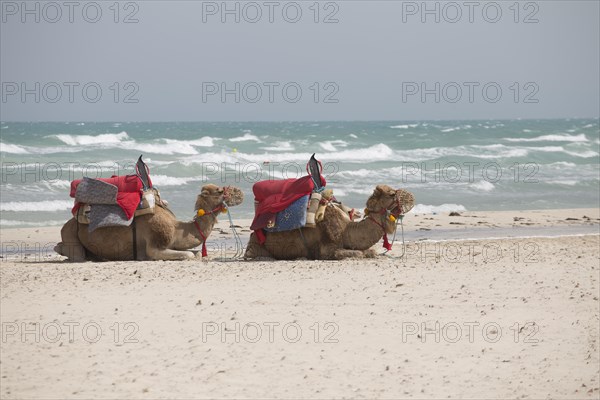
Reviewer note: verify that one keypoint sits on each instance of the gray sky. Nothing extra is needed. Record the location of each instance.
(374, 61)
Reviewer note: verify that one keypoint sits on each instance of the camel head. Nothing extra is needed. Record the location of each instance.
(213, 197)
(385, 199)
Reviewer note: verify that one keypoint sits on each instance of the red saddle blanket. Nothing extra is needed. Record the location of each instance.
(128, 197)
(274, 196)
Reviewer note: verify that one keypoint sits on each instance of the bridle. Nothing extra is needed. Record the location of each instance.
(390, 214)
(220, 208)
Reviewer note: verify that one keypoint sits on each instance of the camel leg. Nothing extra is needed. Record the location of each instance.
(370, 253)
(345, 253)
(168, 254)
(70, 246)
(255, 250)
(328, 251)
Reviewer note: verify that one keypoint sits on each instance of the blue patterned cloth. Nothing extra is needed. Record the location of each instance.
(293, 217)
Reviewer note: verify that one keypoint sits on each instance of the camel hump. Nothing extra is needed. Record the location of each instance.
(333, 224)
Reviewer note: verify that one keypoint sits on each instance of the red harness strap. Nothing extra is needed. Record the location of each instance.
(386, 243)
(218, 208)
(204, 252)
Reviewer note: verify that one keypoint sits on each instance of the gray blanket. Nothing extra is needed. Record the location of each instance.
(102, 197)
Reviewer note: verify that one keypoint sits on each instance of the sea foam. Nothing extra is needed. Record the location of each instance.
(551, 138)
(12, 148)
(48, 205)
(103, 139)
(406, 126)
(376, 152)
(246, 137)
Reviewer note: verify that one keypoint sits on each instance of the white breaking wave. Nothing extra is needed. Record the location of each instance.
(562, 164)
(245, 138)
(560, 149)
(330, 145)
(78, 143)
(59, 184)
(551, 138)
(205, 141)
(483, 186)
(279, 146)
(172, 146)
(429, 209)
(48, 205)
(175, 147)
(8, 222)
(583, 154)
(17, 149)
(404, 126)
(102, 139)
(376, 152)
(489, 152)
(165, 180)
(12, 148)
(567, 182)
(382, 152)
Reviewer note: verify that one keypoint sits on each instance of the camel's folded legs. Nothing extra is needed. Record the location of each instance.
(168, 254)
(255, 250)
(70, 246)
(345, 253)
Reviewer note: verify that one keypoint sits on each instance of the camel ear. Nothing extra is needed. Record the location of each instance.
(374, 199)
(332, 225)
(379, 190)
(209, 189)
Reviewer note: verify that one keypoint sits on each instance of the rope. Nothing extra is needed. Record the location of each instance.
(400, 220)
(239, 247)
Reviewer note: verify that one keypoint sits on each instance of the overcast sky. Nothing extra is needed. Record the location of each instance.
(372, 64)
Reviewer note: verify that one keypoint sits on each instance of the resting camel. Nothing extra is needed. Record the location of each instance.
(160, 236)
(336, 237)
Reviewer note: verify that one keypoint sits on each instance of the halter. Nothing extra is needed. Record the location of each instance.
(222, 207)
(201, 213)
(389, 213)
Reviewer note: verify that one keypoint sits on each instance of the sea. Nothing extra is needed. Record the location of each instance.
(448, 165)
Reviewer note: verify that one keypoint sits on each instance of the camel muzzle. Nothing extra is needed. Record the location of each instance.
(232, 196)
(405, 201)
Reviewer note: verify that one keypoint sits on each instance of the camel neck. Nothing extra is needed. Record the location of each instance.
(186, 233)
(364, 234)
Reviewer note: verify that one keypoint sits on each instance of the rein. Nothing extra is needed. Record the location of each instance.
(201, 213)
(221, 208)
(204, 252)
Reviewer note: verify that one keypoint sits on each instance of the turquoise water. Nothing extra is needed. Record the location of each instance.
(448, 165)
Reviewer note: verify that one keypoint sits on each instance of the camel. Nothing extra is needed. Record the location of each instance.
(160, 236)
(337, 237)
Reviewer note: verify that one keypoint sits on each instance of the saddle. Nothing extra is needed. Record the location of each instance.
(114, 201)
(272, 197)
(281, 205)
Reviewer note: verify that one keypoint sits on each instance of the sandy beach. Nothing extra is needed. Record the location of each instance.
(481, 305)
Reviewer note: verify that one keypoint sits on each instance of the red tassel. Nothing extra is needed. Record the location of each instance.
(260, 236)
(386, 243)
(351, 215)
(204, 252)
